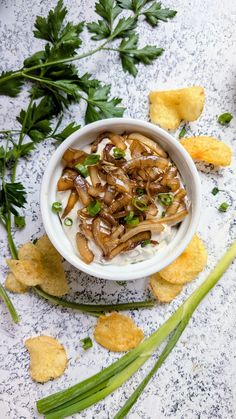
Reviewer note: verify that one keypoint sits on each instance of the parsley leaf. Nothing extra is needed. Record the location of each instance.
(12, 195)
(134, 5)
(12, 86)
(155, 13)
(108, 10)
(100, 29)
(130, 55)
(68, 130)
(37, 124)
(124, 27)
(100, 107)
(64, 38)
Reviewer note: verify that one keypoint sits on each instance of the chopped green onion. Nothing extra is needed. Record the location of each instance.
(121, 283)
(118, 153)
(139, 204)
(82, 169)
(94, 208)
(215, 191)
(145, 243)
(223, 207)
(91, 159)
(68, 222)
(56, 206)
(19, 221)
(182, 133)
(140, 191)
(165, 199)
(131, 219)
(86, 343)
(163, 214)
(225, 118)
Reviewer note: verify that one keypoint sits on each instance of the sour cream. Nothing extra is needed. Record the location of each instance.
(129, 257)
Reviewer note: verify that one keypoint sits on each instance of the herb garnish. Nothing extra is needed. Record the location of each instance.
(182, 132)
(94, 208)
(131, 219)
(118, 153)
(56, 206)
(215, 191)
(225, 118)
(223, 207)
(86, 343)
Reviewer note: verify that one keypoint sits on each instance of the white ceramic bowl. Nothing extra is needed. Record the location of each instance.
(166, 255)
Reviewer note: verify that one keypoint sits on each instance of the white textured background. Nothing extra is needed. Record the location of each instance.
(197, 381)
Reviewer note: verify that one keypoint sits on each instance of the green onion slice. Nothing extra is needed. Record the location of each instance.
(140, 191)
(165, 199)
(91, 159)
(56, 206)
(118, 153)
(225, 118)
(68, 222)
(86, 343)
(182, 133)
(131, 219)
(139, 204)
(223, 207)
(145, 243)
(82, 169)
(94, 208)
(215, 191)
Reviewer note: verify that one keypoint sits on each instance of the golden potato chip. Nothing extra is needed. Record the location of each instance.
(117, 332)
(28, 272)
(13, 285)
(168, 108)
(46, 247)
(48, 358)
(54, 281)
(188, 265)
(208, 150)
(29, 252)
(164, 291)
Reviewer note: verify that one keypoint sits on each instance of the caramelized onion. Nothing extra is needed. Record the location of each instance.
(145, 161)
(147, 142)
(108, 218)
(93, 173)
(117, 140)
(73, 198)
(95, 191)
(82, 245)
(129, 244)
(81, 187)
(86, 230)
(66, 181)
(99, 236)
(117, 232)
(119, 203)
(143, 226)
(109, 195)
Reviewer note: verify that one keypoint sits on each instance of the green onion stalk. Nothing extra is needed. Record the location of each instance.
(97, 387)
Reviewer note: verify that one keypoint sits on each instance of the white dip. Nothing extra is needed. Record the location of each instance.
(133, 256)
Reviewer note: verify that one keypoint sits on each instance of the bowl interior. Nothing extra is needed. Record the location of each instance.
(163, 257)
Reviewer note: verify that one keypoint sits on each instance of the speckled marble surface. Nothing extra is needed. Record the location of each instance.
(197, 381)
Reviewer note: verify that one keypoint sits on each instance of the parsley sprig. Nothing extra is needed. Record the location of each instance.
(56, 83)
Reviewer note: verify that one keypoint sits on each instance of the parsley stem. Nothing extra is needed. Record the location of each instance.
(11, 244)
(9, 131)
(9, 305)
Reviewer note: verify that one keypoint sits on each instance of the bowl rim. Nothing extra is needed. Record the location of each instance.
(125, 273)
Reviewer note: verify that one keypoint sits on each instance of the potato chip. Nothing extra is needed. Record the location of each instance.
(48, 358)
(188, 265)
(208, 150)
(13, 285)
(28, 272)
(54, 281)
(117, 332)
(40, 264)
(168, 108)
(46, 247)
(29, 252)
(164, 291)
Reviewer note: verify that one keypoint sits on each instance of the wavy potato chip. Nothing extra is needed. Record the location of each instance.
(29, 252)
(208, 150)
(188, 265)
(28, 272)
(48, 359)
(117, 332)
(46, 247)
(168, 108)
(164, 291)
(40, 264)
(13, 285)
